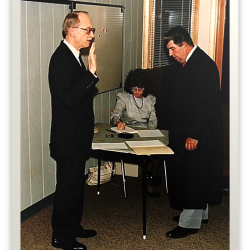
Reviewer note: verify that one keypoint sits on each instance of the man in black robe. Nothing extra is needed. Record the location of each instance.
(195, 134)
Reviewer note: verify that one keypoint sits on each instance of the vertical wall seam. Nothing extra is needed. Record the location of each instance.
(41, 100)
(137, 22)
(28, 101)
(109, 104)
(131, 33)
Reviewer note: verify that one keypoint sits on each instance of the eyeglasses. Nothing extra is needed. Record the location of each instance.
(88, 30)
(137, 89)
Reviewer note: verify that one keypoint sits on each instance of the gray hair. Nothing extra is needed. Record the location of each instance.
(70, 21)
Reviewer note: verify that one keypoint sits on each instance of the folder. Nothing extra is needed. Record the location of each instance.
(150, 147)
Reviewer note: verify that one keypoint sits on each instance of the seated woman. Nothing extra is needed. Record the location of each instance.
(135, 107)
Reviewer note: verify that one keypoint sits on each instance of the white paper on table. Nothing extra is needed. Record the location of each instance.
(149, 143)
(119, 145)
(150, 133)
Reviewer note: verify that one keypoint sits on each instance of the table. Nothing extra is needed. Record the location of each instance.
(98, 153)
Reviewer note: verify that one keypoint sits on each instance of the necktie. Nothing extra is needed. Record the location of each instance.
(81, 62)
(183, 64)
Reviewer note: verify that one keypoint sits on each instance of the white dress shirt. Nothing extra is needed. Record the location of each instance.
(191, 52)
(74, 50)
(76, 53)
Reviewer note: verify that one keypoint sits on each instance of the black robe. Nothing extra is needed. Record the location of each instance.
(194, 110)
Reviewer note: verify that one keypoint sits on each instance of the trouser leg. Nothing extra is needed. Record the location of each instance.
(205, 214)
(192, 218)
(68, 197)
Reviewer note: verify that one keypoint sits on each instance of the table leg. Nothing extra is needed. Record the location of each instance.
(123, 177)
(144, 174)
(99, 176)
(113, 170)
(165, 171)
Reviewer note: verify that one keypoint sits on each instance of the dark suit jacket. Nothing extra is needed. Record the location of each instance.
(71, 86)
(196, 112)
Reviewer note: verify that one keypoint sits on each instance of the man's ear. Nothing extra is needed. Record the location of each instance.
(185, 44)
(71, 32)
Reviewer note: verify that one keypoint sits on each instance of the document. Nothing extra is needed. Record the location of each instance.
(119, 145)
(164, 150)
(149, 143)
(150, 147)
(150, 133)
(126, 130)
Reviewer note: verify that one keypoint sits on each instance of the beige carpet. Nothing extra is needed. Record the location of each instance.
(118, 222)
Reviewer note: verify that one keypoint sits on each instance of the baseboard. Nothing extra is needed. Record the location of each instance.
(36, 208)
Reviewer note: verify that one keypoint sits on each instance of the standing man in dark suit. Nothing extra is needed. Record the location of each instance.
(195, 134)
(72, 127)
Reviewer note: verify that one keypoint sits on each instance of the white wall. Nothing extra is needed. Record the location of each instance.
(40, 35)
(207, 26)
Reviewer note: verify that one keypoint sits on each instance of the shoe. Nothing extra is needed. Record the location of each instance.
(177, 217)
(75, 245)
(181, 232)
(85, 233)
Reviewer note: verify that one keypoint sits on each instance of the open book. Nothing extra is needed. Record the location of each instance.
(150, 147)
(126, 130)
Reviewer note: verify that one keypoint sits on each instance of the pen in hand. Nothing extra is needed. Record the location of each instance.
(120, 125)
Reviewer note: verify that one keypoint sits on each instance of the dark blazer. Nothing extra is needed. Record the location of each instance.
(71, 86)
(196, 112)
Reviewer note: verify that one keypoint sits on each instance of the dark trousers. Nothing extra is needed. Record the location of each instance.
(69, 197)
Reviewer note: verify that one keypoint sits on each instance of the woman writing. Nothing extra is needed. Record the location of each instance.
(135, 107)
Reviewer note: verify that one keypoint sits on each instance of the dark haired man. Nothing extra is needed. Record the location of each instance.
(72, 127)
(195, 134)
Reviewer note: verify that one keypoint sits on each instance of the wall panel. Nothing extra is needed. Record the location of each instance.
(35, 109)
(46, 41)
(25, 150)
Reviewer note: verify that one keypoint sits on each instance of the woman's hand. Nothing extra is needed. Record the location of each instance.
(121, 125)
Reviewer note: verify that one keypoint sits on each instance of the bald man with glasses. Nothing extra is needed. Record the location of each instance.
(72, 127)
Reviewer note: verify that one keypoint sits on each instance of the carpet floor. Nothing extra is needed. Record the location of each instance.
(118, 222)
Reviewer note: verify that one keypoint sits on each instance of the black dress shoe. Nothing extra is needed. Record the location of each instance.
(85, 233)
(177, 217)
(181, 232)
(75, 245)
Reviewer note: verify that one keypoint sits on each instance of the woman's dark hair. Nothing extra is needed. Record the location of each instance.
(137, 78)
(179, 35)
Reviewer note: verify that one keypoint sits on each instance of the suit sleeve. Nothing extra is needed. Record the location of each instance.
(71, 85)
